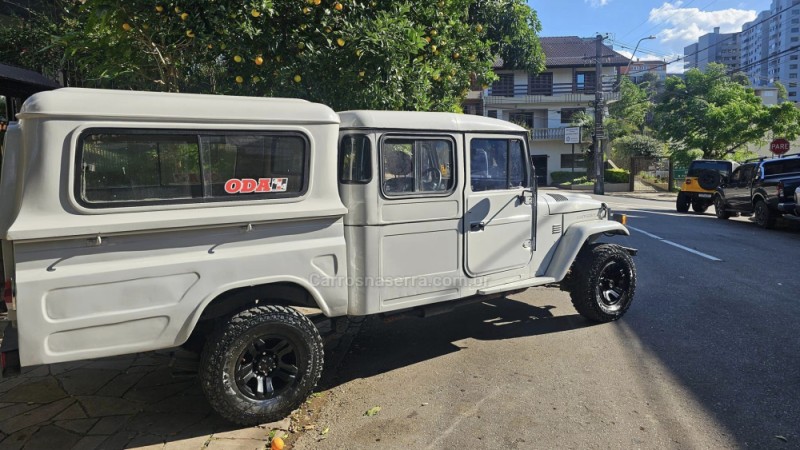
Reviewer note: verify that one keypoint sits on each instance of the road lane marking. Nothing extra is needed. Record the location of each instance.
(675, 244)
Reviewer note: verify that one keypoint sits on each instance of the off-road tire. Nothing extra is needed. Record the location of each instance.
(228, 348)
(699, 206)
(586, 282)
(765, 217)
(719, 208)
(682, 203)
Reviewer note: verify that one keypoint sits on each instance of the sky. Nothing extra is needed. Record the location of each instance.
(675, 24)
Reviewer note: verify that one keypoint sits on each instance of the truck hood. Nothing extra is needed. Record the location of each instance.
(562, 203)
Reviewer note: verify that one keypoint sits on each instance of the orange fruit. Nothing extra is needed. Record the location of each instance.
(338, 6)
(362, 73)
(478, 28)
(237, 58)
(340, 42)
(177, 10)
(255, 13)
(456, 55)
(126, 26)
(277, 444)
(239, 79)
(297, 79)
(433, 48)
(184, 16)
(256, 79)
(306, 10)
(259, 60)
(189, 33)
(159, 8)
(210, 46)
(301, 45)
(317, 2)
(434, 33)
(428, 39)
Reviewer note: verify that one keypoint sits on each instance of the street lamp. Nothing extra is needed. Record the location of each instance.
(627, 68)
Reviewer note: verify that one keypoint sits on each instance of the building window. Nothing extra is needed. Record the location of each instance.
(541, 84)
(585, 82)
(567, 114)
(492, 113)
(504, 87)
(792, 94)
(525, 119)
(579, 159)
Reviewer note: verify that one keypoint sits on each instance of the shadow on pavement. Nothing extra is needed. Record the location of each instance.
(154, 399)
(383, 347)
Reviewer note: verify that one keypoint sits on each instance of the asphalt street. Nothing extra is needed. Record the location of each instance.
(707, 356)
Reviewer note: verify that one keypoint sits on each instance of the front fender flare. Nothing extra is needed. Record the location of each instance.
(573, 240)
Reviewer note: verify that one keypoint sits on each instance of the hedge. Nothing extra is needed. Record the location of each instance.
(617, 176)
(611, 176)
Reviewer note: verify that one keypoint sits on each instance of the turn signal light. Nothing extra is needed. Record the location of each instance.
(621, 218)
(8, 293)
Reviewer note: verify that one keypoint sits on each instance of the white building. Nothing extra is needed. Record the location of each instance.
(546, 102)
(716, 47)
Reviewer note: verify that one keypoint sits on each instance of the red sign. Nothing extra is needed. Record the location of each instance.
(779, 146)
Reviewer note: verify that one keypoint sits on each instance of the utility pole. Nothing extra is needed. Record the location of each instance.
(598, 137)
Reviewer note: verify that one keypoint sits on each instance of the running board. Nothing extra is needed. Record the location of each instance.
(522, 284)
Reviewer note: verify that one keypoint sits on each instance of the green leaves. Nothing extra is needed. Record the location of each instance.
(345, 53)
(717, 114)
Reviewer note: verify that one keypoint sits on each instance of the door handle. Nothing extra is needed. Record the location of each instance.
(477, 226)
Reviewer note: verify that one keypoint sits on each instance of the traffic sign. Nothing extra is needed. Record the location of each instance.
(779, 146)
(572, 135)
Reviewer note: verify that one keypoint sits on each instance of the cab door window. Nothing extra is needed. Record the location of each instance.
(417, 166)
(497, 164)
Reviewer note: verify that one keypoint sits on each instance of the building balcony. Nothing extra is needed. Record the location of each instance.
(557, 93)
(548, 134)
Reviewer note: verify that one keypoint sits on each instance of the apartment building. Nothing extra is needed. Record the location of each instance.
(767, 49)
(716, 47)
(547, 102)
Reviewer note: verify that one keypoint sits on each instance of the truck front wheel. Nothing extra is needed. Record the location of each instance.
(261, 364)
(603, 282)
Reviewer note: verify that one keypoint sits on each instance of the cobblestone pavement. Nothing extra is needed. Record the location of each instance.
(147, 400)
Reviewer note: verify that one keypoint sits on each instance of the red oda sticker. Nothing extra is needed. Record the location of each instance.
(250, 185)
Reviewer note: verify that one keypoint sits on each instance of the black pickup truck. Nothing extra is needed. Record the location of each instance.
(764, 188)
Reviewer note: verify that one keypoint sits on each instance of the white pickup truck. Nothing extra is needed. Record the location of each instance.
(133, 221)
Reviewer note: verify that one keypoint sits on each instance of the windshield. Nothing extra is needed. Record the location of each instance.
(723, 167)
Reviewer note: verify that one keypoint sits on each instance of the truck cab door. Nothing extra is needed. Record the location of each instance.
(499, 206)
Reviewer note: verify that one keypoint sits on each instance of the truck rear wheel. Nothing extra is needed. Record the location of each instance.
(261, 364)
(682, 203)
(699, 206)
(764, 216)
(603, 282)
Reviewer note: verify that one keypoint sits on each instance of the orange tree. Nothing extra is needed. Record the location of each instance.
(380, 54)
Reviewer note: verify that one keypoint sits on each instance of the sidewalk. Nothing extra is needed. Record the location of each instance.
(148, 400)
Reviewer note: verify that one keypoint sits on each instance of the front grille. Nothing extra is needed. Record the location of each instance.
(556, 229)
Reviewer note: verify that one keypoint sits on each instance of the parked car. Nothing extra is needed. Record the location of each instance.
(134, 221)
(702, 180)
(764, 188)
